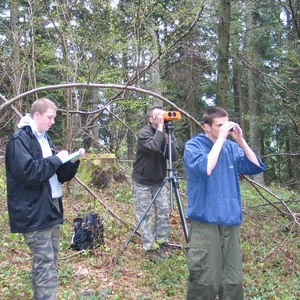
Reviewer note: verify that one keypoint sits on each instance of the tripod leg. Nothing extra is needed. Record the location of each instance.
(141, 220)
(171, 197)
(180, 207)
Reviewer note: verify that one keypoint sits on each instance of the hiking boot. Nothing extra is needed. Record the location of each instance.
(165, 250)
(153, 255)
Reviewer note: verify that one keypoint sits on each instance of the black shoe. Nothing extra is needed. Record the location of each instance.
(165, 250)
(153, 255)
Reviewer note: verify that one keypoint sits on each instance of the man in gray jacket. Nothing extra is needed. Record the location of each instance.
(149, 171)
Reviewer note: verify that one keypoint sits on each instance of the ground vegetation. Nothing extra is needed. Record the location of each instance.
(270, 242)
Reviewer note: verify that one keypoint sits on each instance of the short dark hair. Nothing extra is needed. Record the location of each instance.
(212, 113)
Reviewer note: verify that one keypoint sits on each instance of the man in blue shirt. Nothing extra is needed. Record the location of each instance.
(213, 164)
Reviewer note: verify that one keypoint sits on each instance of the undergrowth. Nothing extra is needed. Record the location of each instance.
(270, 245)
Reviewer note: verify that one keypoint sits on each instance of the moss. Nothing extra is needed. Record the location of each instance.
(92, 162)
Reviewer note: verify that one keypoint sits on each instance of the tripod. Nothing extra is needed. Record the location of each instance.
(172, 178)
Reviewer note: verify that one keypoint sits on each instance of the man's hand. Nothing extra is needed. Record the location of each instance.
(62, 155)
(237, 133)
(224, 130)
(82, 152)
(231, 128)
(159, 119)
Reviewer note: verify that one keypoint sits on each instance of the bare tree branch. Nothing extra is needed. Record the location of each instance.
(102, 202)
(12, 106)
(100, 86)
(295, 216)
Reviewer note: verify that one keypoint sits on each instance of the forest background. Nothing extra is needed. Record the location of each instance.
(104, 63)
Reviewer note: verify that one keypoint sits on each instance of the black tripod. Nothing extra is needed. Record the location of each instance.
(174, 186)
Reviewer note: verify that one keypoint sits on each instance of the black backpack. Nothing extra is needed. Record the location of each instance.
(89, 232)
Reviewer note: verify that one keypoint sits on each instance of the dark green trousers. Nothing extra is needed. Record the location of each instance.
(214, 260)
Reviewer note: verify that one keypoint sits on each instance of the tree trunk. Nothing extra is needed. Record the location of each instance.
(239, 109)
(155, 70)
(254, 138)
(223, 54)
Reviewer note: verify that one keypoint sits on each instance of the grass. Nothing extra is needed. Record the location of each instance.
(270, 245)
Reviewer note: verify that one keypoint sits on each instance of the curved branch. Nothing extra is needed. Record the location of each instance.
(99, 86)
(12, 106)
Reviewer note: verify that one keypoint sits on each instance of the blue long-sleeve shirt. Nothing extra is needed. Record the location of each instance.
(216, 198)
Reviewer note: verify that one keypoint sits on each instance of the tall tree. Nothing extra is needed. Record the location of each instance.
(171, 47)
(223, 54)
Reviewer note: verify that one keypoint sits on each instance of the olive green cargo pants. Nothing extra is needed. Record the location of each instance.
(214, 262)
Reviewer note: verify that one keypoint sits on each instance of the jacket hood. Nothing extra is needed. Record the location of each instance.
(204, 139)
(28, 121)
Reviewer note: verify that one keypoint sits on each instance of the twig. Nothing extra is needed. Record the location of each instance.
(265, 204)
(74, 254)
(102, 202)
(256, 184)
